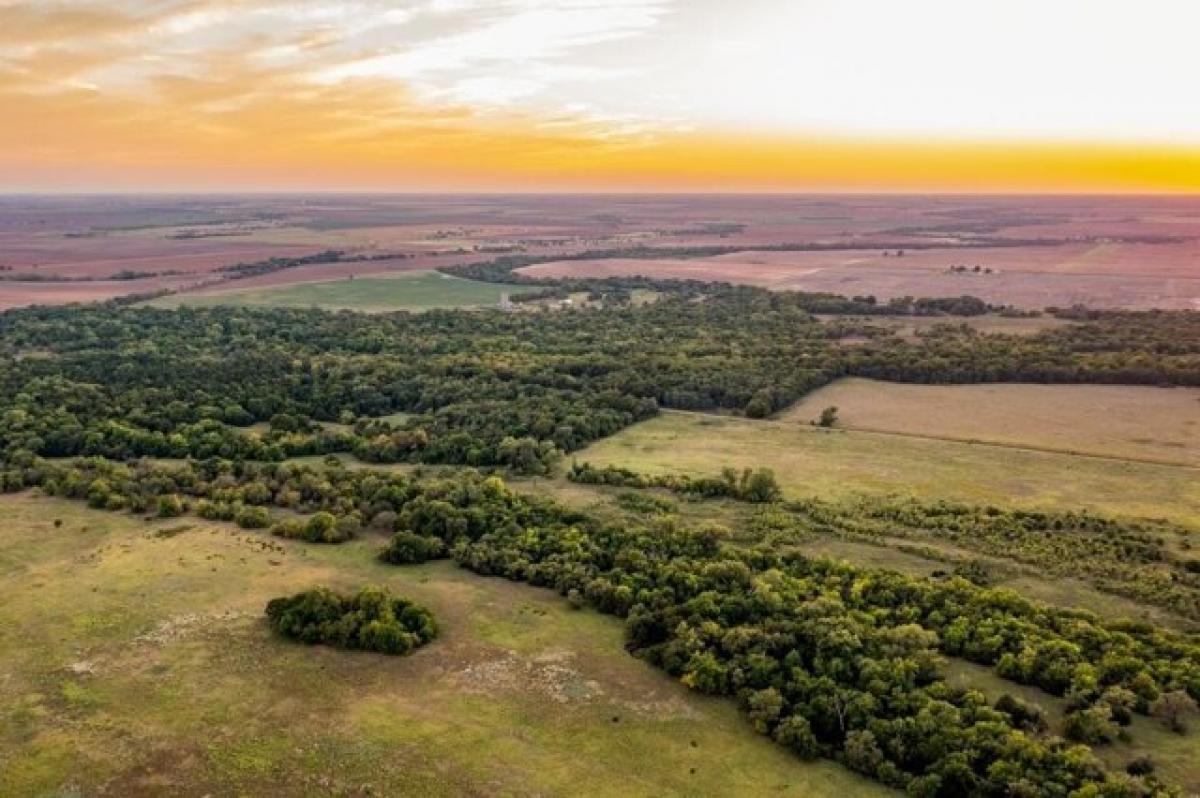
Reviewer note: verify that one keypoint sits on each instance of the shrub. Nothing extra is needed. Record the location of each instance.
(253, 518)
(290, 528)
(409, 548)
(169, 506)
(1093, 726)
(1024, 715)
(320, 527)
(1175, 708)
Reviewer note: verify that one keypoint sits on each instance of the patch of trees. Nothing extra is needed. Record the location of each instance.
(123, 274)
(369, 620)
(242, 270)
(320, 527)
(750, 485)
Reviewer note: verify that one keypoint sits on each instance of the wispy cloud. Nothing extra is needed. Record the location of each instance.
(460, 91)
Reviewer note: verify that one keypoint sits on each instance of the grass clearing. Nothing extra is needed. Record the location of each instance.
(839, 463)
(416, 290)
(1127, 421)
(135, 663)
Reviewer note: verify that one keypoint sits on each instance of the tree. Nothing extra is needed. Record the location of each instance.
(862, 752)
(764, 707)
(759, 485)
(761, 404)
(796, 733)
(1093, 725)
(1175, 708)
(253, 518)
(408, 548)
(169, 506)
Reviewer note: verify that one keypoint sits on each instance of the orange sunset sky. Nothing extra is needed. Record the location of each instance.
(857, 95)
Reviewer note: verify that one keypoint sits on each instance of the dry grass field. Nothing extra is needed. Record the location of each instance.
(135, 660)
(834, 463)
(1134, 422)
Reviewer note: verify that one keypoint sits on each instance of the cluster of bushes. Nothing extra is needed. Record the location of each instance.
(750, 485)
(370, 620)
(320, 527)
(409, 548)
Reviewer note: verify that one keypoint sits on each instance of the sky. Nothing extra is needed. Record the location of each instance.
(603, 95)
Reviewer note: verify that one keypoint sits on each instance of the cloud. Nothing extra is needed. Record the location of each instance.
(471, 93)
(491, 56)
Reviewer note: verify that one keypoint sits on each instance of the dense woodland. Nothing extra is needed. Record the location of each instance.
(493, 388)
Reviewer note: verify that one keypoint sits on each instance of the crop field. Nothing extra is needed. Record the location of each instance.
(1033, 276)
(1133, 422)
(837, 463)
(136, 660)
(1103, 251)
(421, 290)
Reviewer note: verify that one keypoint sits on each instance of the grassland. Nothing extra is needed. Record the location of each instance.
(135, 660)
(1135, 422)
(838, 463)
(417, 290)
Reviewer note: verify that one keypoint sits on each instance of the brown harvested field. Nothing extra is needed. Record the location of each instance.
(1092, 250)
(1134, 422)
(1096, 274)
(102, 256)
(20, 294)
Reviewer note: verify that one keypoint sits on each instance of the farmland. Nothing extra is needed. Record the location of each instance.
(1032, 277)
(416, 290)
(1032, 251)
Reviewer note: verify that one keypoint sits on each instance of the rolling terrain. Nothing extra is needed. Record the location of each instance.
(1032, 252)
(653, 568)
